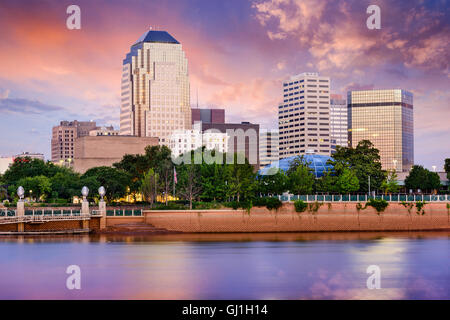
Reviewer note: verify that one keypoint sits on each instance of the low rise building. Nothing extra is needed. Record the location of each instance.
(96, 151)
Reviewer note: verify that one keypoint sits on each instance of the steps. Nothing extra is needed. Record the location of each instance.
(135, 228)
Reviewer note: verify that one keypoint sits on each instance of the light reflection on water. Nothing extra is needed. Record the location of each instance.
(228, 266)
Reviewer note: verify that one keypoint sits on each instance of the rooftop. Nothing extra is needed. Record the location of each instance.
(157, 36)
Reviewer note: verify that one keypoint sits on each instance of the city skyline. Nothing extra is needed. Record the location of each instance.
(239, 52)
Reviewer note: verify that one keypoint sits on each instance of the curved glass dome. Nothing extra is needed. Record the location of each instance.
(315, 161)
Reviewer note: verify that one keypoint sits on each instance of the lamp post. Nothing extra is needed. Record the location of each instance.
(102, 207)
(395, 164)
(85, 203)
(20, 208)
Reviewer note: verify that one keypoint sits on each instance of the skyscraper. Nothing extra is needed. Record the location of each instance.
(338, 121)
(304, 116)
(155, 88)
(385, 117)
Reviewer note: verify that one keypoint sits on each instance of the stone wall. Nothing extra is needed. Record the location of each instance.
(337, 217)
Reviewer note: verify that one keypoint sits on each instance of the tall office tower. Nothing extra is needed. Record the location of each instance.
(268, 147)
(304, 116)
(155, 88)
(338, 122)
(385, 117)
(64, 135)
(208, 115)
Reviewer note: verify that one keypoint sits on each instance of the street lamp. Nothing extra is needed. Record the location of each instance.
(395, 164)
(101, 192)
(84, 192)
(20, 192)
(434, 168)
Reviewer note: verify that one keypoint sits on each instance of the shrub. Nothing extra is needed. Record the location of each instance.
(205, 205)
(300, 205)
(379, 204)
(273, 203)
(314, 207)
(420, 207)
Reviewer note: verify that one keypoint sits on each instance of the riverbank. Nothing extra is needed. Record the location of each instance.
(335, 217)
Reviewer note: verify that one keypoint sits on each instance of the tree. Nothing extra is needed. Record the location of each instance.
(115, 181)
(302, 180)
(149, 186)
(37, 186)
(364, 159)
(213, 177)
(273, 184)
(326, 183)
(65, 185)
(347, 181)
(188, 185)
(240, 179)
(447, 167)
(390, 184)
(421, 178)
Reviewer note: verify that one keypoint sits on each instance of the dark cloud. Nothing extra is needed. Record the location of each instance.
(25, 106)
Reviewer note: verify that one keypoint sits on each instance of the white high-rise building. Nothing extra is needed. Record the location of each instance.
(268, 147)
(338, 121)
(155, 97)
(304, 116)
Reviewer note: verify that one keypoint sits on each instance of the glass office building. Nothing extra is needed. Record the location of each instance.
(155, 98)
(385, 117)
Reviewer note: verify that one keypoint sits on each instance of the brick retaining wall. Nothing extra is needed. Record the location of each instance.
(338, 217)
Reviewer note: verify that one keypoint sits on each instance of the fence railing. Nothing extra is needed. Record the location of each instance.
(365, 197)
(124, 213)
(42, 218)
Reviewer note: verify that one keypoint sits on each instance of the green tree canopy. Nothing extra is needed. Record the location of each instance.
(421, 178)
(447, 167)
(364, 160)
(301, 181)
(390, 184)
(114, 180)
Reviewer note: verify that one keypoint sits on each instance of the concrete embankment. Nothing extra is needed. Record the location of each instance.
(329, 217)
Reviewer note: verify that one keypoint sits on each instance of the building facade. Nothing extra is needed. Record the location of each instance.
(32, 155)
(338, 122)
(63, 138)
(96, 151)
(155, 99)
(243, 139)
(104, 131)
(268, 147)
(188, 140)
(385, 117)
(304, 115)
(208, 115)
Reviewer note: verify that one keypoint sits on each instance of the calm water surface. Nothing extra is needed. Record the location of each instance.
(235, 266)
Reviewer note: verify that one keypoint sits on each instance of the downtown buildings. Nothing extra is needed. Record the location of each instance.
(338, 122)
(304, 116)
(155, 98)
(63, 138)
(385, 117)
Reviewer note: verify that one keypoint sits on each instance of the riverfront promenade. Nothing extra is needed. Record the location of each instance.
(336, 217)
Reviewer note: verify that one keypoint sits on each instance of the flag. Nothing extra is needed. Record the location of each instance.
(175, 175)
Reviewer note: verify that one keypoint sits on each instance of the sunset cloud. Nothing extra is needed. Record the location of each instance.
(239, 52)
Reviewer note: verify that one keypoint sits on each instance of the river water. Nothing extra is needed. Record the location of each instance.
(228, 266)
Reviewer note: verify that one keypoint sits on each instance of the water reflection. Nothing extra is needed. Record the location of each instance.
(228, 266)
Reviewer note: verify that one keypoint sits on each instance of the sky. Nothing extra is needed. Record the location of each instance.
(239, 52)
